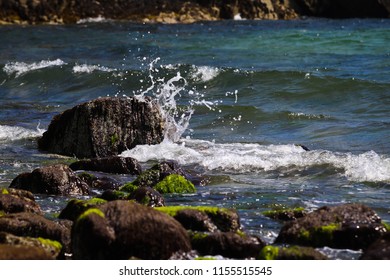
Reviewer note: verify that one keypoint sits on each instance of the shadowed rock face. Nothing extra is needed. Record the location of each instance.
(104, 127)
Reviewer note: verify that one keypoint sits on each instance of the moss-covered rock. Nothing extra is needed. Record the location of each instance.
(148, 197)
(124, 229)
(175, 184)
(285, 214)
(52, 247)
(348, 226)
(76, 207)
(270, 252)
(224, 219)
(128, 187)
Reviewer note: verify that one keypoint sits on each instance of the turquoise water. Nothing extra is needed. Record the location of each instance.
(242, 95)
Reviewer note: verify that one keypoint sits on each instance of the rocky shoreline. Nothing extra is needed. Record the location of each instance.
(189, 11)
(132, 220)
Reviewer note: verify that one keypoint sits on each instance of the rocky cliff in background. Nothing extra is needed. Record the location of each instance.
(186, 11)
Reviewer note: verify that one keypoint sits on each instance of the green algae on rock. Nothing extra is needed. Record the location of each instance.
(270, 252)
(175, 184)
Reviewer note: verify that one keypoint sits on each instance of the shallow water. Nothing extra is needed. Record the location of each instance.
(242, 96)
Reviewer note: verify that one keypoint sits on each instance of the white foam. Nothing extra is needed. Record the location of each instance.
(239, 158)
(204, 73)
(85, 68)
(92, 20)
(20, 68)
(11, 133)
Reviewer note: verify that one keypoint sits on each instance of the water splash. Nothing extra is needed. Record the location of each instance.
(12, 133)
(20, 68)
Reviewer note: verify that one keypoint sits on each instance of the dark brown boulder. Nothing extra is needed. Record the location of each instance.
(148, 197)
(114, 164)
(13, 204)
(18, 252)
(124, 229)
(33, 225)
(104, 127)
(56, 179)
(348, 226)
(195, 220)
(227, 244)
(379, 250)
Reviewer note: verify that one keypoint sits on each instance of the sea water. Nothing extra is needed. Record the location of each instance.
(276, 114)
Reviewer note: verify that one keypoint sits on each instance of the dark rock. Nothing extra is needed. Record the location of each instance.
(290, 253)
(114, 164)
(19, 193)
(111, 195)
(53, 248)
(104, 127)
(226, 220)
(75, 207)
(57, 179)
(227, 244)
(123, 229)
(349, 226)
(99, 183)
(19, 252)
(12, 204)
(33, 225)
(379, 250)
(195, 220)
(147, 196)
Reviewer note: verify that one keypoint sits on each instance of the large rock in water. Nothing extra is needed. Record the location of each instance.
(348, 226)
(104, 127)
(124, 229)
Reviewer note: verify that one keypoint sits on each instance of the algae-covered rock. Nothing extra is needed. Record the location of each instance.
(227, 244)
(33, 225)
(148, 197)
(175, 184)
(76, 207)
(285, 214)
(225, 220)
(123, 229)
(52, 247)
(270, 252)
(348, 226)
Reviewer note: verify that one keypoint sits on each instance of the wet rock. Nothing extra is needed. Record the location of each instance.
(123, 229)
(225, 220)
(195, 220)
(13, 201)
(99, 183)
(379, 250)
(51, 247)
(114, 164)
(56, 179)
(227, 244)
(104, 127)
(348, 226)
(290, 253)
(148, 197)
(111, 195)
(19, 252)
(33, 225)
(285, 214)
(75, 207)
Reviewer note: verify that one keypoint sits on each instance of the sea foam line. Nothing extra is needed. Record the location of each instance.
(20, 68)
(85, 68)
(246, 158)
(12, 133)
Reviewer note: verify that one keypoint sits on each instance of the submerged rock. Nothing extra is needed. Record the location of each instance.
(104, 127)
(348, 226)
(114, 164)
(290, 253)
(56, 179)
(227, 244)
(123, 229)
